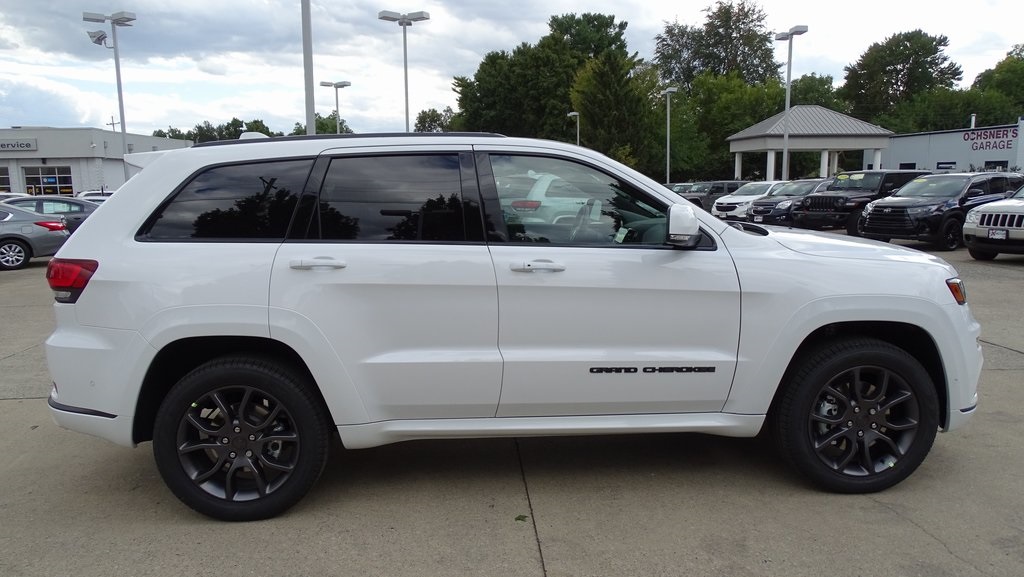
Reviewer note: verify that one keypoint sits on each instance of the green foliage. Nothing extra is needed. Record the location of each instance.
(206, 132)
(894, 71)
(588, 35)
(814, 89)
(1006, 78)
(433, 121)
(324, 125)
(945, 109)
(733, 39)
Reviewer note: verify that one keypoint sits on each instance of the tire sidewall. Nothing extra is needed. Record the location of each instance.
(283, 386)
(793, 426)
(24, 249)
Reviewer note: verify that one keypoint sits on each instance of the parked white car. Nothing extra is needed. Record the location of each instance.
(734, 206)
(996, 228)
(242, 303)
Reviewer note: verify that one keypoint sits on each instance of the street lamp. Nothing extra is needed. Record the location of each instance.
(576, 115)
(667, 93)
(337, 111)
(404, 20)
(99, 38)
(788, 36)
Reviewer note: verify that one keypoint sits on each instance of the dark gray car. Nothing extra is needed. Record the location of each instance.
(74, 210)
(25, 234)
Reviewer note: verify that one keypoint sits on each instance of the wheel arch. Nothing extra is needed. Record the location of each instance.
(911, 338)
(180, 357)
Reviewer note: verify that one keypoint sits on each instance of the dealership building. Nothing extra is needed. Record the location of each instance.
(964, 150)
(43, 160)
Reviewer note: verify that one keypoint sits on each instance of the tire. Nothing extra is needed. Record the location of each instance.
(853, 224)
(952, 235)
(14, 254)
(240, 439)
(858, 416)
(981, 254)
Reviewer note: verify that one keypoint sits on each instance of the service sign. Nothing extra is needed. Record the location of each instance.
(18, 144)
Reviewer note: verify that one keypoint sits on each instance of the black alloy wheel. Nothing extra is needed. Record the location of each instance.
(859, 416)
(951, 236)
(239, 439)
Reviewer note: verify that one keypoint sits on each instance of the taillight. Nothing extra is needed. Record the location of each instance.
(52, 225)
(958, 290)
(525, 205)
(68, 277)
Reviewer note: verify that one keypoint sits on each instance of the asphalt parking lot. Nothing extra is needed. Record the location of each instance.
(639, 505)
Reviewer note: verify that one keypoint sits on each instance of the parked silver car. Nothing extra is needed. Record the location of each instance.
(74, 210)
(25, 234)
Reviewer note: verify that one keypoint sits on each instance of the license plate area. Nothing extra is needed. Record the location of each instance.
(998, 233)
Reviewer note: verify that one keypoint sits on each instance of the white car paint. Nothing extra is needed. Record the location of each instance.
(735, 205)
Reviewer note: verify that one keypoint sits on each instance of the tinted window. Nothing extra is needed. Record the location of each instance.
(599, 210)
(938, 186)
(392, 198)
(242, 201)
(856, 181)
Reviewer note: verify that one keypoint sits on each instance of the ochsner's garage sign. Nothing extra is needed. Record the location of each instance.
(991, 138)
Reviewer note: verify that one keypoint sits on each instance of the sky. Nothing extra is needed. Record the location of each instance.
(187, 61)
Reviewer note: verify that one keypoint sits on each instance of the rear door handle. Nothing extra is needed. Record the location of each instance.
(540, 264)
(325, 262)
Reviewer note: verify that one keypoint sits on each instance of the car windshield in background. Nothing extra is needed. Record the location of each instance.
(795, 188)
(936, 186)
(1019, 193)
(753, 189)
(700, 187)
(856, 181)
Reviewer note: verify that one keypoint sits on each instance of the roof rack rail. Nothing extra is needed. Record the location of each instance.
(350, 135)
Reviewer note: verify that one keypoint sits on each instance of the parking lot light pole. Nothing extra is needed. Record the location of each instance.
(667, 93)
(337, 111)
(576, 115)
(788, 36)
(404, 20)
(100, 39)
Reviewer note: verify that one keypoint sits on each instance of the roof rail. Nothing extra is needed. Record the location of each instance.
(250, 139)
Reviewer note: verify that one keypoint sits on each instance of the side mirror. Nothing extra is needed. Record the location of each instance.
(683, 226)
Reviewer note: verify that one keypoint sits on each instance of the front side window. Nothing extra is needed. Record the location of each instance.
(571, 203)
(251, 201)
(392, 198)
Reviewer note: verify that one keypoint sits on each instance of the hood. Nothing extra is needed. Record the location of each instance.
(1014, 205)
(830, 244)
(911, 201)
(776, 199)
(734, 199)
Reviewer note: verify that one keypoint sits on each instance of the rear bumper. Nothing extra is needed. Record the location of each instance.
(114, 428)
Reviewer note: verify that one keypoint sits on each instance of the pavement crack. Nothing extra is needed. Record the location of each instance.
(1004, 347)
(16, 353)
(529, 503)
(929, 533)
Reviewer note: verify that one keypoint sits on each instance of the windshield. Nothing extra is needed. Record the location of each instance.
(856, 181)
(934, 186)
(753, 189)
(1019, 193)
(796, 188)
(701, 187)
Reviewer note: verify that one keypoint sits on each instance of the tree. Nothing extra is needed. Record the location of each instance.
(433, 121)
(814, 89)
(171, 132)
(589, 35)
(1007, 77)
(324, 125)
(894, 71)
(733, 38)
(257, 125)
(945, 109)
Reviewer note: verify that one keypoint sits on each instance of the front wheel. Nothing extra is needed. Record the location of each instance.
(951, 236)
(858, 416)
(14, 254)
(982, 254)
(240, 439)
(853, 224)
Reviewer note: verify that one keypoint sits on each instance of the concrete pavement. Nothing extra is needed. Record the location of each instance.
(636, 505)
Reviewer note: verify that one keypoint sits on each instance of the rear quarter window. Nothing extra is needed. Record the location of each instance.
(252, 201)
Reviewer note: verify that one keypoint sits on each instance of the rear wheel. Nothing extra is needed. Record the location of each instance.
(982, 254)
(240, 439)
(14, 254)
(858, 416)
(951, 236)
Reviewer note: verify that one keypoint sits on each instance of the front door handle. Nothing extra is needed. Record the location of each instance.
(325, 262)
(539, 264)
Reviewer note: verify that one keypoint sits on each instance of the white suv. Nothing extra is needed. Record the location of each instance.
(734, 206)
(240, 303)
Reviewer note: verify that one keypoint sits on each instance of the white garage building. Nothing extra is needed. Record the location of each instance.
(44, 160)
(967, 149)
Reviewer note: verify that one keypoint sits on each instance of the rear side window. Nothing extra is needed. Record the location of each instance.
(251, 201)
(392, 198)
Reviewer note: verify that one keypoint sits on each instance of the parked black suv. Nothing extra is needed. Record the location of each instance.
(841, 204)
(704, 194)
(933, 207)
(777, 206)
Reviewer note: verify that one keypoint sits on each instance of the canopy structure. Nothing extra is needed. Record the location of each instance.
(811, 128)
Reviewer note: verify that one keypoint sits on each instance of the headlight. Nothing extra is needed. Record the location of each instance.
(922, 209)
(784, 204)
(973, 216)
(868, 207)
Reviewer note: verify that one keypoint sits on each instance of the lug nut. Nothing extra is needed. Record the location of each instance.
(860, 433)
(874, 425)
(872, 412)
(849, 423)
(252, 437)
(238, 429)
(856, 409)
(224, 441)
(232, 454)
(248, 453)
